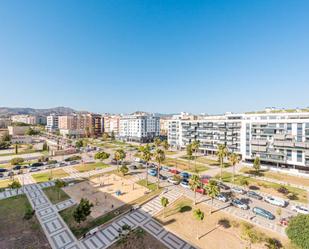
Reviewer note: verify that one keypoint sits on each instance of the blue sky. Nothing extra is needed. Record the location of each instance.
(158, 56)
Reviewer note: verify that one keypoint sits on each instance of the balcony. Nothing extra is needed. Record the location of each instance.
(259, 142)
(284, 144)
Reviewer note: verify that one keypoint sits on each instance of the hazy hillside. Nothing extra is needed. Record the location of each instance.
(7, 111)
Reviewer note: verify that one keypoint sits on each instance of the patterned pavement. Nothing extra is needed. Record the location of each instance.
(142, 217)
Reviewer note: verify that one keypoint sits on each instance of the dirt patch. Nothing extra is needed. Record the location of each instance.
(107, 193)
(141, 240)
(180, 220)
(15, 232)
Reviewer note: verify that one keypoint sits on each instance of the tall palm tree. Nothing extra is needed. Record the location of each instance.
(233, 159)
(195, 147)
(165, 145)
(194, 183)
(212, 190)
(146, 156)
(159, 157)
(157, 142)
(189, 153)
(221, 154)
(199, 215)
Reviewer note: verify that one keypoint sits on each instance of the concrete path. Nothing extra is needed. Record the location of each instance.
(142, 217)
(55, 229)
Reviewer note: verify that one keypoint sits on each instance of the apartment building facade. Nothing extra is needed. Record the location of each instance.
(111, 124)
(29, 119)
(139, 128)
(279, 139)
(52, 123)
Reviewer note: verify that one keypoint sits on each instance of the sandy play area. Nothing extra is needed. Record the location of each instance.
(101, 191)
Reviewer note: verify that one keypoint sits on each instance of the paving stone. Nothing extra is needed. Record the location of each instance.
(173, 241)
(62, 240)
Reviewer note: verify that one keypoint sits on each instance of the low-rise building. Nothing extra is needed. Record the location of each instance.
(17, 130)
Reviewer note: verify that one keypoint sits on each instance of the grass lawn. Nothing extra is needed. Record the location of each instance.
(278, 176)
(90, 166)
(138, 239)
(44, 177)
(205, 160)
(150, 186)
(90, 223)
(5, 183)
(54, 195)
(265, 186)
(170, 152)
(183, 165)
(16, 232)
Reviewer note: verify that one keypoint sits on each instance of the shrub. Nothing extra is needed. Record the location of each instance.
(283, 190)
(17, 161)
(298, 230)
(243, 182)
(14, 184)
(73, 158)
(29, 213)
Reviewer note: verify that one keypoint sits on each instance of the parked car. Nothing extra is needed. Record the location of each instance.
(17, 167)
(185, 184)
(205, 179)
(300, 209)
(275, 201)
(3, 170)
(74, 162)
(162, 177)
(223, 186)
(200, 190)
(238, 190)
(37, 164)
(165, 168)
(34, 169)
(152, 172)
(174, 171)
(1, 175)
(11, 173)
(185, 175)
(173, 180)
(222, 197)
(254, 195)
(264, 213)
(132, 167)
(238, 203)
(285, 221)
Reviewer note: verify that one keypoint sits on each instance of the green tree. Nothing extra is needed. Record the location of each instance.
(199, 215)
(79, 143)
(45, 147)
(105, 136)
(16, 161)
(165, 145)
(164, 203)
(6, 137)
(298, 230)
(14, 184)
(32, 132)
(221, 154)
(194, 183)
(113, 136)
(257, 165)
(146, 156)
(59, 184)
(272, 243)
(4, 145)
(195, 148)
(82, 211)
(159, 157)
(157, 142)
(212, 190)
(234, 159)
(119, 155)
(189, 151)
(124, 169)
(102, 155)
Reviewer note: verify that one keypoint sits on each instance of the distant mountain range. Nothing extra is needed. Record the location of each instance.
(8, 111)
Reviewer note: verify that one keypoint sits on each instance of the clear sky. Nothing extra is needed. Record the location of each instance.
(164, 56)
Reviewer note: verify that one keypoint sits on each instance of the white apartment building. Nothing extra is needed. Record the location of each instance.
(111, 124)
(52, 123)
(28, 119)
(280, 140)
(140, 128)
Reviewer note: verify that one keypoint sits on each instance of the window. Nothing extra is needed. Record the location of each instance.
(299, 156)
(289, 155)
(289, 128)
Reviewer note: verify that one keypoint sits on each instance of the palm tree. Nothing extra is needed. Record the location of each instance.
(119, 155)
(212, 190)
(165, 145)
(164, 203)
(159, 156)
(199, 215)
(194, 184)
(195, 147)
(157, 142)
(189, 153)
(146, 156)
(234, 159)
(221, 154)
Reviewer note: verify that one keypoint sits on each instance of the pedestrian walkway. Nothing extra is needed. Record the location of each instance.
(25, 179)
(55, 229)
(142, 217)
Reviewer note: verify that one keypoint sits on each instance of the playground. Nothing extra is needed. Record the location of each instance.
(106, 192)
